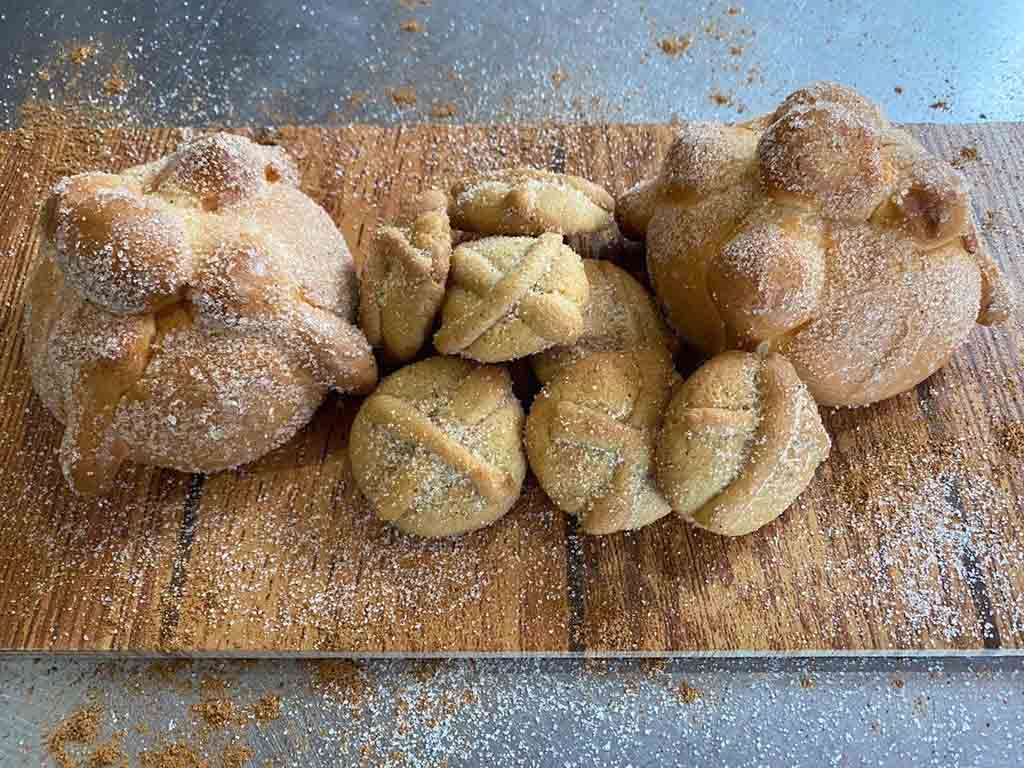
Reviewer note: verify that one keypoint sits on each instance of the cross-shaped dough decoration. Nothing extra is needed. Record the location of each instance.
(473, 401)
(549, 315)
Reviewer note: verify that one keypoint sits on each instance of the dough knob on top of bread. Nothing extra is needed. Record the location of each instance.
(741, 440)
(511, 297)
(403, 277)
(120, 250)
(590, 438)
(437, 448)
(206, 274)
(221, 170)
(527, 201)
(824, 232)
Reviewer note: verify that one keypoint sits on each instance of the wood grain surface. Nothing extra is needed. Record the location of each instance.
(911, 536)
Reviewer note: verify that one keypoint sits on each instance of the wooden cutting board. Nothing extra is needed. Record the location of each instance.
(911, 536)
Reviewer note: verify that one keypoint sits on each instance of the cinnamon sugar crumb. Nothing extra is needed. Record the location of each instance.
(356, 99)
(235, 756)
(80, 728)
(403, 96)
(1013, 439)
(175, 755)
(116, 83)
(675, 46)
(410, 25)
(267, 709)
(964, 156)
(217, 713)
(342, 680)
(444, 109)
(558, 77)
(82, 54)
(687, 694)
(108, 755)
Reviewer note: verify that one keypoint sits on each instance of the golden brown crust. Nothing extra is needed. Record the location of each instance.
(768, 279)
(826, 158)
(634, 208)
(741, 440)
(824, 232)
(620, 316)
(436, 449)
(511, 297)
(894, 316)
(190, 313)
(590, 438)
(828, 93)
(403, 278)
(120, 250)
(527, 201)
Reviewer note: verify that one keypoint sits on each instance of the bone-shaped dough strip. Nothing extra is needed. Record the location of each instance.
(478, 395)
(501, 298)
(591, 428)
(719, 418)
(409, 424)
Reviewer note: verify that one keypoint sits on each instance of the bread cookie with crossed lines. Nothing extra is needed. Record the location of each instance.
(403, 278)
(590, 438)
(436, 449)
(621, 315)
(511, 297)
(741, 440)
(824, 232)
(527, 201)
(189, 313)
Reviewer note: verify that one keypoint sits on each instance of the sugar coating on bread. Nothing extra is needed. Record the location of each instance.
(620, 316)
(436, 449)
(528, 201)
(741, 440)
(511, 297)
(403, 278)
(818, 231)
(590, 438)
(191, 312)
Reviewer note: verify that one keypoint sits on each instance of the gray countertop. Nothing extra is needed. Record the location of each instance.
(264, 62)
(530, 712)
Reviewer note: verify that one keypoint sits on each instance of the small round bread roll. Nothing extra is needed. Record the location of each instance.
(824, 233)
(620, 316)
(526, 201)
(190, 313)
(590, 437)
(510, 297)
(403, 278)
(741, 440)
(437, 448)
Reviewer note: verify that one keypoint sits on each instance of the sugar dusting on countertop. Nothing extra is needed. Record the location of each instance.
(413, 713)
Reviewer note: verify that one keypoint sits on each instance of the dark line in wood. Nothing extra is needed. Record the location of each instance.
(975, 578)
(558, 157)
(183, 553)
(575, 584)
